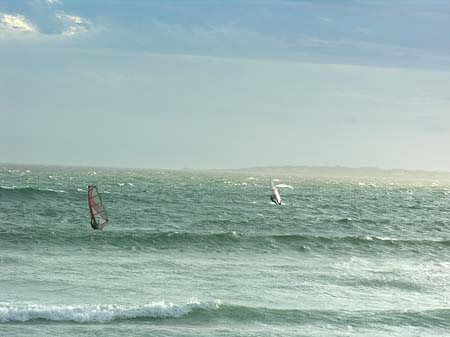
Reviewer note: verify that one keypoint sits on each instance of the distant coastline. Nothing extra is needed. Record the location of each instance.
(347, 172)
(298, 171)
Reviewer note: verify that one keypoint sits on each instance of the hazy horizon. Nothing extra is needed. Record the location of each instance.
(212, 85)
(276, 169)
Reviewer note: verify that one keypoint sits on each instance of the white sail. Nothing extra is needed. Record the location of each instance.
(275, 197)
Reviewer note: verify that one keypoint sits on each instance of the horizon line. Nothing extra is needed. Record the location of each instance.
(248, 168)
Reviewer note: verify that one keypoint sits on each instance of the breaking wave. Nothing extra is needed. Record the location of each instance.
(26, 191)
(284, 186)
(101, 313)
(214, 311)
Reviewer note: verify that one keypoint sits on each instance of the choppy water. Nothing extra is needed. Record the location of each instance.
(207, 254)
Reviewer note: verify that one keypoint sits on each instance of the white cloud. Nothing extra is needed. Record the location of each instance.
(73, 24)
(15, 24)
(325, 19)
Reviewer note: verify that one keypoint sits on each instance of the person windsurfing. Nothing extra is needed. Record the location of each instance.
(99, 218)
(94, 224)
(275, 197)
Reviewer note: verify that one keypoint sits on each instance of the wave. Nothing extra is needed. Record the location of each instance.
(364, 318)
(140, 240)
(284, 186)
(30, 193)
(216, 312)
(9, 189)
(100, 313)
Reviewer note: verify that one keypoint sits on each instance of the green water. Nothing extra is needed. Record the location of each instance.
(208, 254)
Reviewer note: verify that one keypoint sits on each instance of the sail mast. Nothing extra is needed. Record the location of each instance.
(99, 218)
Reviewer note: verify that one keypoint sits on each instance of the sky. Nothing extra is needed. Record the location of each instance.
(225, 84)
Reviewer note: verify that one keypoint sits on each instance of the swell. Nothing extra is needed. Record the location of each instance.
(215, 312)
(27, 193)
(100, 313)
(146, 240)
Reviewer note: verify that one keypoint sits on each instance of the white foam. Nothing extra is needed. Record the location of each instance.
(9, 187)
(52, 190)
(100, 313)
(284, 186)
(382, 238)
(26, 187)
(385, 238)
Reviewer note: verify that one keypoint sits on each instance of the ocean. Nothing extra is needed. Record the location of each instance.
(206, 253)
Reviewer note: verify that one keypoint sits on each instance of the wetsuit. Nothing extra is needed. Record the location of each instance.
(274, 200)
(94, 224)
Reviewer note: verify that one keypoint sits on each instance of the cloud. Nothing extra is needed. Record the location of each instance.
(46, 19)
(73, 25)
(58, 25)
(11, 23)
(325, 19)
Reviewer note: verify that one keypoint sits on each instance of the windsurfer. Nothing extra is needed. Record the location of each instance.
(99, 219)
(274, 200)
(94, 224)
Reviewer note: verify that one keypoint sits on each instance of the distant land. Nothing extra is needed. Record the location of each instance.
(340, 172)
(295, 171)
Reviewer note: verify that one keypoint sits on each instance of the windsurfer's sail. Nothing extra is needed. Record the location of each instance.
(99, 218)
(275, 197)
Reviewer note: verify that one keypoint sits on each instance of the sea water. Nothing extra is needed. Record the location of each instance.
(207, 254)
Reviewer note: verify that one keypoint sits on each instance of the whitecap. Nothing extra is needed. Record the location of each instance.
(52, 190)
(284, 186)
(9, 187)
(100, 313)
(382, 238)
